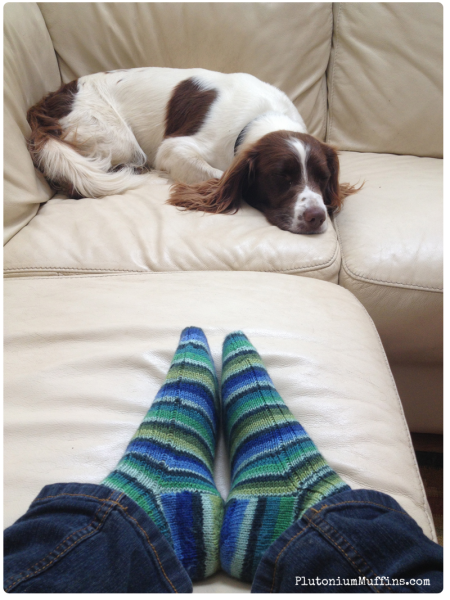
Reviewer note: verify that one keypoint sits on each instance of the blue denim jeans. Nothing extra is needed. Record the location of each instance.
(358, 541)
(89, 538)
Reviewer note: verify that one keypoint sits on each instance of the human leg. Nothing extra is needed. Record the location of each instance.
(168, 465)
(166, 471)
(89, 538)
(277, 473)
(358, 541)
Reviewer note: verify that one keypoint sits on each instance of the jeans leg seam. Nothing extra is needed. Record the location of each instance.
(401, 512)
(275, 566)
(104, 500)
(335, 543)
(78, 496)
(311, 523)
(21, 579)
(79, 530)
(127, 515)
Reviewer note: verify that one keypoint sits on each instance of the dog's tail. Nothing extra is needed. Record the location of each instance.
(61, 162)
(81, 176)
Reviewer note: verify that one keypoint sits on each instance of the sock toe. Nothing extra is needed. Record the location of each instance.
(194, 334)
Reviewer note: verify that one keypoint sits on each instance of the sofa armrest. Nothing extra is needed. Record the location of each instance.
(30, 71)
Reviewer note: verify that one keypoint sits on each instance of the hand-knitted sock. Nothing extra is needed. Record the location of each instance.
(168, 465)
(277, 473)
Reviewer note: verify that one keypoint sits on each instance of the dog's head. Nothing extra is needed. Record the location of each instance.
(290, 177)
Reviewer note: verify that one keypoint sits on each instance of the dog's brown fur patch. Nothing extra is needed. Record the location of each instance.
(215, 195)
(188, 108)
(336, 192)
(44, 117)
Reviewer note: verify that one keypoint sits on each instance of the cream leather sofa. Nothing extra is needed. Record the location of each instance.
(97, 291)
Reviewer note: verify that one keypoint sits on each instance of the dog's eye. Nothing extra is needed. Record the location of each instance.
(285, 179)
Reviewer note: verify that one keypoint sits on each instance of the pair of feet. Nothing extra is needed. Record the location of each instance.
(277, 473)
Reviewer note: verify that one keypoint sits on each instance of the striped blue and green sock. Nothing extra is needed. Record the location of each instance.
(277, 472)
(168, 465)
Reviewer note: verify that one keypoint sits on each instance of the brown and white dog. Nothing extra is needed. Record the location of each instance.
(223, 138)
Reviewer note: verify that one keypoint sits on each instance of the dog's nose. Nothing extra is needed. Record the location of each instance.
(314, 217)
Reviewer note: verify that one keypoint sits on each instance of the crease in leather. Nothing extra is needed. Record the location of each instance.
(333, 71)
(410, 286)
(58, 59)
(324, 88)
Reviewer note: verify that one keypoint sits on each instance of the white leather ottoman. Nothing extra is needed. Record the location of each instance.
(85, 356)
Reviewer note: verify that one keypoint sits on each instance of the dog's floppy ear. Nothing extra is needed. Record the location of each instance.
(216, 196)
(335, 192)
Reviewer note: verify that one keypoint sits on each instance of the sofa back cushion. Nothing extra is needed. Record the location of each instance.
(287, 44)
(385, 78)
(30, 71)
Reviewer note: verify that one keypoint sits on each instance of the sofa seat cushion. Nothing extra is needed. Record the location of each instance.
(139, 232)
(85, 356)
(391, 239)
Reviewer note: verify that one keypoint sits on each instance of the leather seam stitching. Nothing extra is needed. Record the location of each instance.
(298, 269)
(103, 270)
